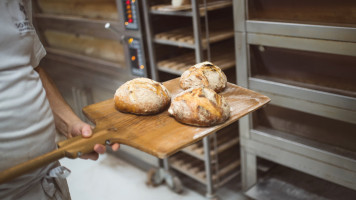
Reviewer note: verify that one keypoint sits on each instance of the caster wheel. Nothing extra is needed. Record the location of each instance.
(155, 177)
(174, 183)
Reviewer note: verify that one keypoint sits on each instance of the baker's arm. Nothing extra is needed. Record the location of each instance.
(66, 121)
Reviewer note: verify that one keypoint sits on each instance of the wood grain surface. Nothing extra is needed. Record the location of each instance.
(161, 135)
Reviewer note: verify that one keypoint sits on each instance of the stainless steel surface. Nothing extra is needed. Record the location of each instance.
(208, 170)
(330, 163)
(347, 115)
(282, 183)
(197, 32)
(306, 44)
(320, 163)
(335, 100)
(346, 34)
(149, 38)
(239, 16)
(248, 167)
(111, 28)
(241, 64)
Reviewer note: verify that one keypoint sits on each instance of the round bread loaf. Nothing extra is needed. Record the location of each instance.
(142, 96)
(199, 107)
(204, 74)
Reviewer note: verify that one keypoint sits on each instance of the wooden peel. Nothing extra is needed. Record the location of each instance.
(159, 135)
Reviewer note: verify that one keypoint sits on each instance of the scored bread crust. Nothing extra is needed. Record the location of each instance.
(199, 107)
(142, 96)
(204, 74)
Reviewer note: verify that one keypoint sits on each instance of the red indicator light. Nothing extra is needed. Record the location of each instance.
(128, 2)
(130, 20)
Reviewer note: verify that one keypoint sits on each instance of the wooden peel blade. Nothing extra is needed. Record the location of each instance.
(70, 148)
(159, 135)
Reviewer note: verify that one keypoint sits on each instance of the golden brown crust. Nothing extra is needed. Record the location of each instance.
(142, 96)
(200, 107)
(204, 74)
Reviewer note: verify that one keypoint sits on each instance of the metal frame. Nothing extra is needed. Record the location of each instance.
(301, 154)
(198, 46)
(346, 34)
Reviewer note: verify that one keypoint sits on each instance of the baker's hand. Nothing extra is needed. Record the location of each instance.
(84, 129)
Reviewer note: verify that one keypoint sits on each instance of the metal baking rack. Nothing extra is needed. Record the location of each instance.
(310, 123)
(199, 38)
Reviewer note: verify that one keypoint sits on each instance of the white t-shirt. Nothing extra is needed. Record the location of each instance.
(26, 120)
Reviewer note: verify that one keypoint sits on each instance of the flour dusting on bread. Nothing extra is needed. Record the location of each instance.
(199, 107)
(204, 74)
(142, 96)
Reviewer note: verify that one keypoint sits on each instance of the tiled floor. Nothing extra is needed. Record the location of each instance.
(110, 178)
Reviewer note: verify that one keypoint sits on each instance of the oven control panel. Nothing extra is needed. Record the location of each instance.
(136, 57)
(130, 14)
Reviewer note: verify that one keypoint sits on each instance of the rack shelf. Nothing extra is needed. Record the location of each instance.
(183, 37)
(316, 36)
(177, 65)
(194, 168)
(185, 10)
(225, 140)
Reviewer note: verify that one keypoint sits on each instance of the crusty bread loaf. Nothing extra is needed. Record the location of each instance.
(204, 74)
(142, 96)
(199, 107)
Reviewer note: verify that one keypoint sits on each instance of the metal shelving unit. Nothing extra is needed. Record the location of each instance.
(194, 161)
(189, 37)
(321, 157)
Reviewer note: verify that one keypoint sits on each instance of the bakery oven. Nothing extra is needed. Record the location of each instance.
(133, 36)
(93, 47)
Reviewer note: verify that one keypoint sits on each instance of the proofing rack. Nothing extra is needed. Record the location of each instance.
(225, 158)
(194, 44)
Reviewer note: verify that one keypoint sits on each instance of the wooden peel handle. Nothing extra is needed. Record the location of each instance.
(31, 165)
(71, 148)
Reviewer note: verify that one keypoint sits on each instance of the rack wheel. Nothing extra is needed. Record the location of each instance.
(174, 183)
(155, 177)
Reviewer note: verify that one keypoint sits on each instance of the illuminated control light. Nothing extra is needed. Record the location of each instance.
(128, 2)
(130, 40)
(133, 58)
(129, 16)
(142, 67)
(126, 23)
(133, 1)
(130, 20)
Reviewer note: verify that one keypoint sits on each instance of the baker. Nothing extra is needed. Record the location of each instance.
(31, 108)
